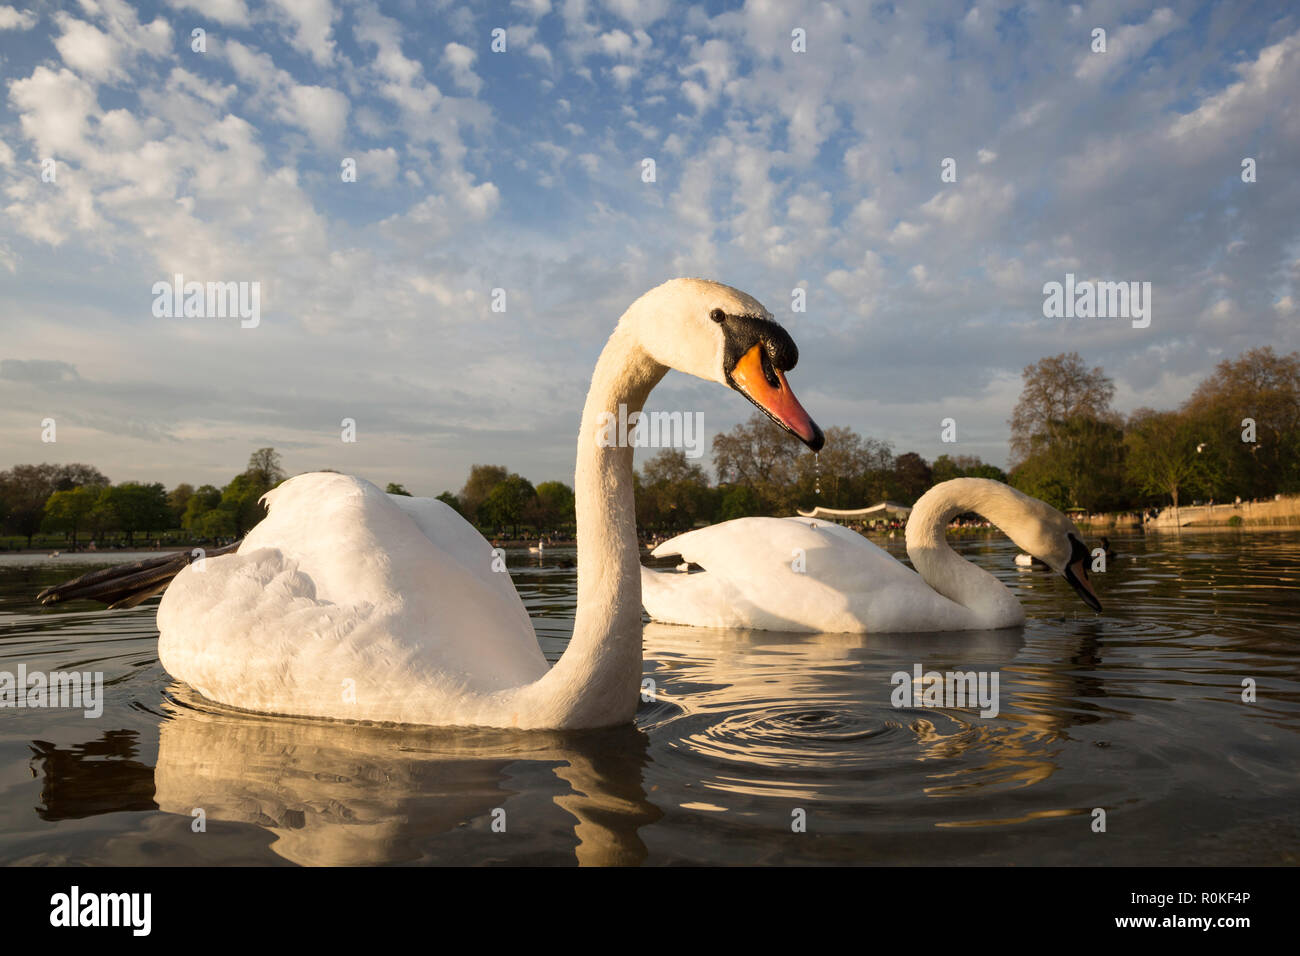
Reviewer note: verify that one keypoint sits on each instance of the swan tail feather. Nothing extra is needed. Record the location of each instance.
(126, 585)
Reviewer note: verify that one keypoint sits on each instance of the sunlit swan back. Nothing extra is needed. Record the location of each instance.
(344, 593)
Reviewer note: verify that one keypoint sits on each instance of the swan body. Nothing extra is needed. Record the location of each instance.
(348, 603)
(803, 574)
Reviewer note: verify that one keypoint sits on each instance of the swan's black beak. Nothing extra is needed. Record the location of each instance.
(1076, 572)
(758, 353)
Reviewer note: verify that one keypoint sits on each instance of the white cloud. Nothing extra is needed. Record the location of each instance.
(107, 54)
(14, 19)
(322, 112)
(401, 79)
(225, 12)
(639, 13)
(54, 111)
(622, 75)
(971, 204)
(459, 60)
(713, 64)
(1125, 45)
(207, 90)
(820, 167)
(615, 43)
(313, 26)
(535, 8)
(1241, 105)
(87, 50)
(379, 165)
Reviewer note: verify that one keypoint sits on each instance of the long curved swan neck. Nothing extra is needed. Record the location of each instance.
(596, 681)
(942, 568)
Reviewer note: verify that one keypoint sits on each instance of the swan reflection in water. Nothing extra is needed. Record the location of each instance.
(744, 720)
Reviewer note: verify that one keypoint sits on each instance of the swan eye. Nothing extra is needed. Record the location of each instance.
(717, 315)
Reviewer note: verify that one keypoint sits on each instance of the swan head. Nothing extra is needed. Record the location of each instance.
(1052, 538)
(723, 335)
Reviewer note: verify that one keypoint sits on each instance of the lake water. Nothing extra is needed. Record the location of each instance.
(1137, 711)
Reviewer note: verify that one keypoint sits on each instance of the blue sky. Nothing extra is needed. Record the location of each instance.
(522, 170)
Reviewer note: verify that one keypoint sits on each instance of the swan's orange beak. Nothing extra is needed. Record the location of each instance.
(755, 377)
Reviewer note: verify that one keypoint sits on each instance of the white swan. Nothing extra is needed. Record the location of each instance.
(802, 574)
(345, 602)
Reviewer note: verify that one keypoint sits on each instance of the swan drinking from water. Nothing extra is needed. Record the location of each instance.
(345, 602)
(801, 574)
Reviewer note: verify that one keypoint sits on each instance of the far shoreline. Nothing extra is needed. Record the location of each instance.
(1133, 530)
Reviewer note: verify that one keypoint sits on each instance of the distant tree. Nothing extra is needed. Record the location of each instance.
(1265, 387)
(675, 492)
(69, 511)
(264, 469)
(241, 500)
(24, 489)
(879, 457)
(755, 453)
(552, 507)
(1057, 390)
(1165, 456)
(772, 462)
(76, 476)
(240, 506)
(217, 523)
(395, 489)
(507, 502)
(205, 499)
(946, 467)
(984, 470)
(850, 470)
(448, 498)
(150, 512)
(1082, 466)
(482, 479)
(133, 507)
(912, 477)
(177, 499)
(740, 501)
(1037, 477)
(1067, 442)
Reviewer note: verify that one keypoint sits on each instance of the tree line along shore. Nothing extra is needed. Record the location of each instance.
(1235, 442)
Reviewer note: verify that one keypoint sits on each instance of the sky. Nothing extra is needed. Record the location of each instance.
(523, 169)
